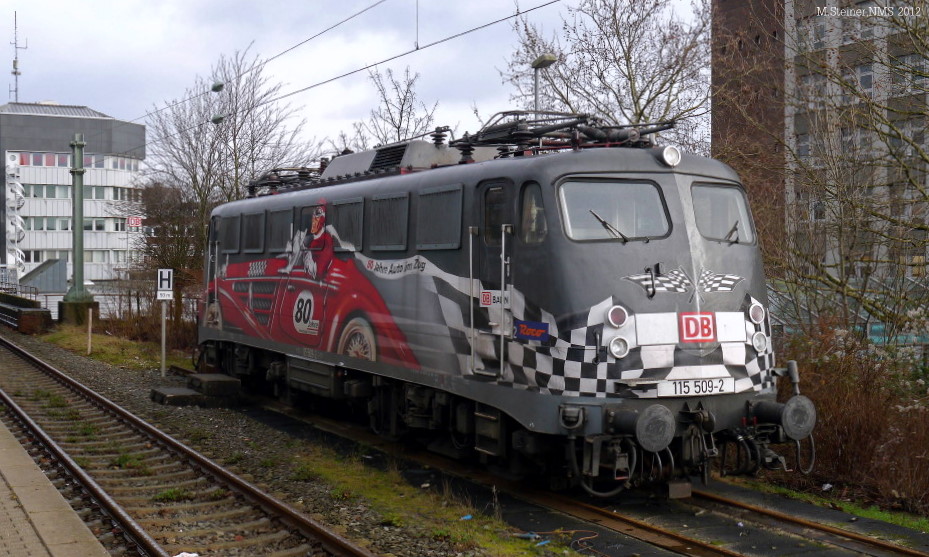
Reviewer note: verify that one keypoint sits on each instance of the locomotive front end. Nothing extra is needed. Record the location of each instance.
(675, 362)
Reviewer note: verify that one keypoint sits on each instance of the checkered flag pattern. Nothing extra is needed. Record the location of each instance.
(567, 363)
(717, 282)
(675, 281)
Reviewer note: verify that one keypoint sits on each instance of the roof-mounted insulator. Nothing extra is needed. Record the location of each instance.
(466, 149)
(438, 136)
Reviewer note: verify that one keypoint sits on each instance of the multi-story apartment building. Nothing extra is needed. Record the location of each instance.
(35, 142)
(825, 105)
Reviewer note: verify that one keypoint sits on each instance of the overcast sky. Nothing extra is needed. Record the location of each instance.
(124, 57)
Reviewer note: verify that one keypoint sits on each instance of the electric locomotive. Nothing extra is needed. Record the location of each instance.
(550, 293)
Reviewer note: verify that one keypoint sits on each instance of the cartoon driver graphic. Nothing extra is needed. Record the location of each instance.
(313, 246)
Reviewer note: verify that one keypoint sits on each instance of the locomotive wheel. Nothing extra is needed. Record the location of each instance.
(357, 340)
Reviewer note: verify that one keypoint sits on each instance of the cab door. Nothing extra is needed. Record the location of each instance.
(493, 243)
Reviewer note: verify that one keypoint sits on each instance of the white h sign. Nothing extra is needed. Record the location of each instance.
(165, 284)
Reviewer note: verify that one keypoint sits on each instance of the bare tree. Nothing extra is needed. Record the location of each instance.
(624, 63)
(399, 115)
(198, 164)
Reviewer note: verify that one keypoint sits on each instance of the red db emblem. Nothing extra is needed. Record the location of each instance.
(698, 327)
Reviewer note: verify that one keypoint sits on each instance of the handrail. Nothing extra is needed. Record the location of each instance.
(16, 289)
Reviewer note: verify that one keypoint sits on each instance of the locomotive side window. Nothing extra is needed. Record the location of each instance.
(438, 221)
(347, 219)
(280, 232)
(722, 213)
(229, 234)
(613, 210)
(253, 239)
(532, 226)
(494, 211)
(389, 214)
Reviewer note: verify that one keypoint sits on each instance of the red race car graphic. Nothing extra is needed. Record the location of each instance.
(308, 297)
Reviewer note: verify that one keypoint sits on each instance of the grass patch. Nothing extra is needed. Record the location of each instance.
(126, 460)
(436, 514)
(197, 435)
(129, 461)
(172, 495)
(304, 473)
(56, 401)
(86, 430)
(907, 520)
(69, 415)
(129, 354)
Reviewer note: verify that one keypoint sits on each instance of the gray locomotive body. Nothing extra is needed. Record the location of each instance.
(601, 312)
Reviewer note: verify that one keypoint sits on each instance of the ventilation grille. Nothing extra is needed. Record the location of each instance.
(388, 157)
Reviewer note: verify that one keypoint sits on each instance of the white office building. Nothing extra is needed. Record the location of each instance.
(35, 141)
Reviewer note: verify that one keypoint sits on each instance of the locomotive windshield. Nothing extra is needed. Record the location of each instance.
(613, 211)
(722, 213)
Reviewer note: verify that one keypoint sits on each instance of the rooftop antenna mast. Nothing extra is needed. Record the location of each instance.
(16, 49)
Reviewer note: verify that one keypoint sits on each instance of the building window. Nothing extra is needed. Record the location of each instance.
(859, 82)
(909, 74)
(95, 225)
(119, 225)
(95, 256)
(803, 146)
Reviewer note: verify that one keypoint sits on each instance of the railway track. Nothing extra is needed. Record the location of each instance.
(707, 524)
(822, 533)
(165, 497)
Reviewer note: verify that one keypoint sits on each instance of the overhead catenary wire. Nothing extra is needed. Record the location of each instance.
(518, 13)
(236, 77)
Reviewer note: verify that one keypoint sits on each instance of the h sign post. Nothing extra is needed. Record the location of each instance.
(165, 284)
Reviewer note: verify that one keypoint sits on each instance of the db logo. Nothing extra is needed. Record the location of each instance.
(486, 298)
(698, 327)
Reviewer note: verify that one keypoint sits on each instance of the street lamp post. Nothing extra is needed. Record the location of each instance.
(543, 61)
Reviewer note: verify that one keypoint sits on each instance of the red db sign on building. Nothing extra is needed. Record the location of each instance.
(698, 327)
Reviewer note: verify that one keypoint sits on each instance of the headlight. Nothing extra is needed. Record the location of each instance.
(619, 347)
(671, 156)
(617, 315)
(759, 342)
(756, 313)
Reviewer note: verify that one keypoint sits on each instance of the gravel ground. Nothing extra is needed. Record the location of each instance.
(231, 433)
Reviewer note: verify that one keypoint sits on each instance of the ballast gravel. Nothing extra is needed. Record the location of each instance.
(227, 434)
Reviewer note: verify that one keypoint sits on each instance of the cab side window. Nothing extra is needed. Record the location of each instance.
(532, 225)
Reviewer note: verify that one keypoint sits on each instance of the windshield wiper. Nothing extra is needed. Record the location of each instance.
(732, 231)
(609, 227)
